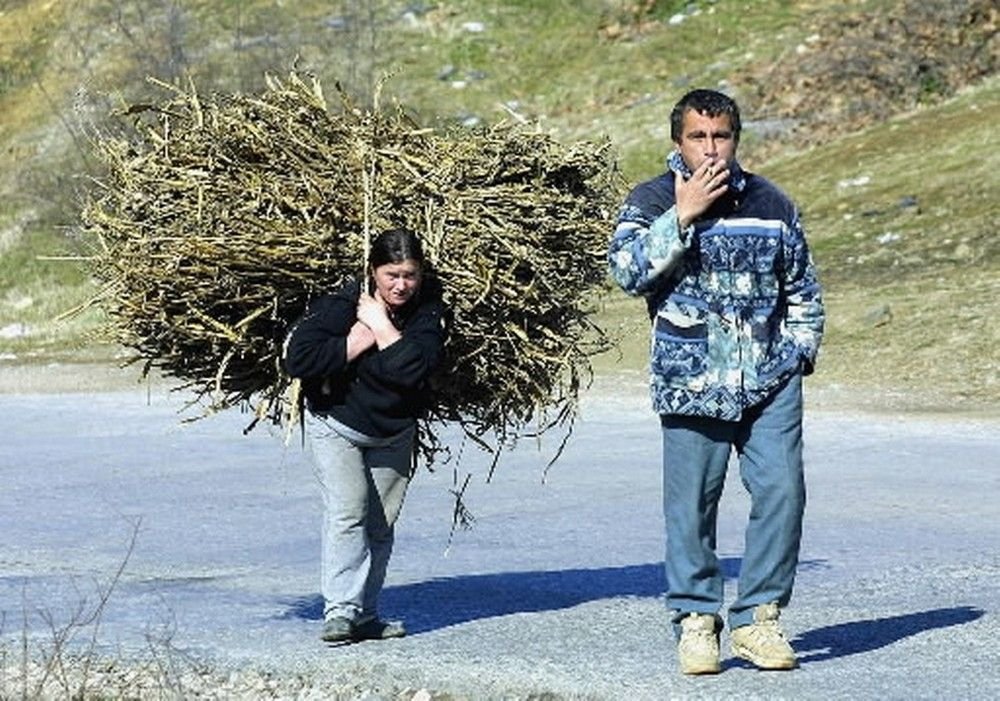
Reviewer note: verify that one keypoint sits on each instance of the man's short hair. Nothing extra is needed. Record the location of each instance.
(708, 102)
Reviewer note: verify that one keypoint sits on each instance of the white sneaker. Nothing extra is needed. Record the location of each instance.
(698, 649)
(762, 642)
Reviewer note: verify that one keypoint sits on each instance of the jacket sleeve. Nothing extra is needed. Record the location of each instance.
(412, 359)
(317, 344)
(805, 315)
(648, 242)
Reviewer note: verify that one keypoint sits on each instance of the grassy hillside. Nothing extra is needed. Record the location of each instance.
(898, 211)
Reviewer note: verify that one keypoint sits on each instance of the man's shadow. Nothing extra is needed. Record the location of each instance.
(856, 637)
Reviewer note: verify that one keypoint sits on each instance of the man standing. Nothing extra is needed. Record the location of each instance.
(737, 316)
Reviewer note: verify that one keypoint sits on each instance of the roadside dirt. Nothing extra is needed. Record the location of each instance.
(630, 385)
(69, 377)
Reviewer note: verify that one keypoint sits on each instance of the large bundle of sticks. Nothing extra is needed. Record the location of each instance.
(220, 217)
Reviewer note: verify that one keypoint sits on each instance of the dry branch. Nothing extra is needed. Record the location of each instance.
(220, 217)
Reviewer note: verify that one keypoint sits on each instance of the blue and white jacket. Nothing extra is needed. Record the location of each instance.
(735, 304)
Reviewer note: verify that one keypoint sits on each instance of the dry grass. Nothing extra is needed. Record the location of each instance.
(951, 344)
(224, 214)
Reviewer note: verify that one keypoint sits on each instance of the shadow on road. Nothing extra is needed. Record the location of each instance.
(856, 637)
(440, 603)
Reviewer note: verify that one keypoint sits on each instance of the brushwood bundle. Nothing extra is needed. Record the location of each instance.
(219, 217)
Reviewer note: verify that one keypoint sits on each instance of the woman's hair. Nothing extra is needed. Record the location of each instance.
(395, 246)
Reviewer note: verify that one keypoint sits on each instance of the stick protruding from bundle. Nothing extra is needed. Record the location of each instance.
(218, 218)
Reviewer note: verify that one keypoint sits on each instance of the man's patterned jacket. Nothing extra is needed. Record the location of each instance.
(734, 300)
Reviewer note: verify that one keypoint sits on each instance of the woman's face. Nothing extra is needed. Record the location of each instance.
(397, 283)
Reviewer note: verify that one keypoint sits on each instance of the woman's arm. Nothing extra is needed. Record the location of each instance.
(411, 359)
(320, 343)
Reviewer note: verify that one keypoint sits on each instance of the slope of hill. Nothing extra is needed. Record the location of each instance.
(877, 116)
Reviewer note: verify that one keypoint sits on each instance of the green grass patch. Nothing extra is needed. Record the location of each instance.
(919, 190)
(900, 215)
(36, 290)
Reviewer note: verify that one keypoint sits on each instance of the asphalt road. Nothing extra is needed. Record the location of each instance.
(556, 591)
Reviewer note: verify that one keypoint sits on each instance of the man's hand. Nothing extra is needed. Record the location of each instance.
(705, 186)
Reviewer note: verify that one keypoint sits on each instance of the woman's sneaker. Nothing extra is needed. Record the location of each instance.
(762, 642)
(698, 648)
(343, 630)
(337, 630)
(376, 629)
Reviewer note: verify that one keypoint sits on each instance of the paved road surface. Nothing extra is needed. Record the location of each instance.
(556, 590)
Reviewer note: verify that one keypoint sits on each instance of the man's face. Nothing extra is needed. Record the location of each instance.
(706, 138)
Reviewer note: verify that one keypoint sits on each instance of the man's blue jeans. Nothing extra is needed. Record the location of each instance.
(696, 450)
(363, 482)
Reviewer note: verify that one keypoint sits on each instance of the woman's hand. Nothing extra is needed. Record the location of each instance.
(359, 339)
(373, 313)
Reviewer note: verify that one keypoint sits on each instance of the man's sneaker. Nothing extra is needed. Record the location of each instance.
(376, 629)
(337, 630)
(762, 642)
(698, 649)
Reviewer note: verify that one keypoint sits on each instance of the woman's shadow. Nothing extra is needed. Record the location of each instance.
(441, 603)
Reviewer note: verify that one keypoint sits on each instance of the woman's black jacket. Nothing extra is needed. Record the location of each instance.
(381, 392)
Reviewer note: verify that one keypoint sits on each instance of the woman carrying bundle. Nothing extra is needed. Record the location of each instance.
(365, 357)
